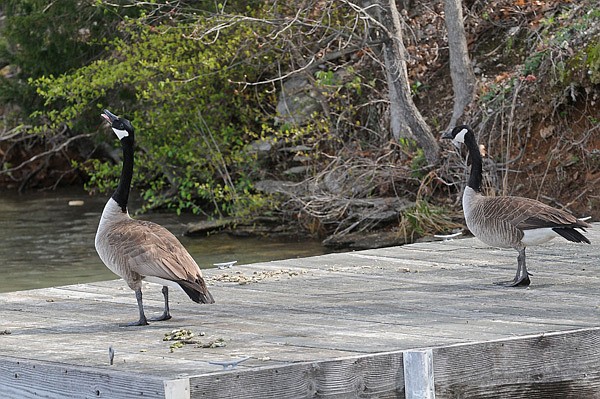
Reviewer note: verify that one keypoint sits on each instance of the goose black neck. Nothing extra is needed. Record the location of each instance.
(121, 194)
(475, 176)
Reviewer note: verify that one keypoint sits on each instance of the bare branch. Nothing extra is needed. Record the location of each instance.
(14, 132)
(46, 153)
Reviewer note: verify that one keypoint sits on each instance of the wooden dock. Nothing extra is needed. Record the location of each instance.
(418, 321)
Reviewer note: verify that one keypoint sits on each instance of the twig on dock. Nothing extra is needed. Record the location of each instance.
(111, 355)
(230, 363)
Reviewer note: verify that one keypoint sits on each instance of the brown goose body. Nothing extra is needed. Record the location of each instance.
(139, 250)
(507, 221)
(512, 222)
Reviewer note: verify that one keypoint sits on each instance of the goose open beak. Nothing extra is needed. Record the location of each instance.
(109, 116)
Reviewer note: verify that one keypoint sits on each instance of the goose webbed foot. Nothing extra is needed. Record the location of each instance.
(164, 316)
(516, 282)
(522, 277)
(140, 322)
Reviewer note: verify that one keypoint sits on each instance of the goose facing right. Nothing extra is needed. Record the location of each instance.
(506, 221)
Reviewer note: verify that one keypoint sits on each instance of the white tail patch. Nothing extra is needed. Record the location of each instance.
(120, 133)
(538, 236)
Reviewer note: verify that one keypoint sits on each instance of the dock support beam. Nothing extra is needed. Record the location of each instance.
(418, 374)
(177, 389)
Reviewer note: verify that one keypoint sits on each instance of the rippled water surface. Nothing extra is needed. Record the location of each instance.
(46, 242)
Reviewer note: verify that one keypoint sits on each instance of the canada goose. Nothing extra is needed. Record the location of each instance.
(510, 222)
(139, 250)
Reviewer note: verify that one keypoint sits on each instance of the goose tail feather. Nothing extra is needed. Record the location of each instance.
(197, 291)
(571, 234)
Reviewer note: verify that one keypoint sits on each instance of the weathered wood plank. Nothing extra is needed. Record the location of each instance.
(553, 365)
(376, 376)
(24, 379)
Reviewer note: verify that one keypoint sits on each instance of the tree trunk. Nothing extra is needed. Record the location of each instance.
(461, 70)
(405, 118)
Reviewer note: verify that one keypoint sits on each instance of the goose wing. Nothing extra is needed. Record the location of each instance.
(151, 250)
(528, 214)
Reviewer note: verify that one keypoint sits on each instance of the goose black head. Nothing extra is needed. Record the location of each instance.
(121, 126)
(463, 134)
(457, 135)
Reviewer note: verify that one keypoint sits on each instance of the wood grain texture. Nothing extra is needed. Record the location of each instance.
(375, 376)
(36, 379)
(554, 365)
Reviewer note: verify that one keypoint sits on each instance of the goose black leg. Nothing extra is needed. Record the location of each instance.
(166, 314)
(522, 277)
(142, 321)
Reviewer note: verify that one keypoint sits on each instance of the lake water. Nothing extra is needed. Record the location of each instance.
(46, 242)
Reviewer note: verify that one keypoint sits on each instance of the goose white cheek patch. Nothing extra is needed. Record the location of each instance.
(121, 133)
(460, 137)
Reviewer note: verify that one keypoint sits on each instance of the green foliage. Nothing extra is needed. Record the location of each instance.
(46, 38)
(179, 72)
(592, 62)
(41, 38)
(418, 163)
(585, 64)
(192, 123)
(569, 45)
(416, 87)
(325, 78)
(342, 119)
(498, 92)
(102, 175)
(425, 219)
(532, 63)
